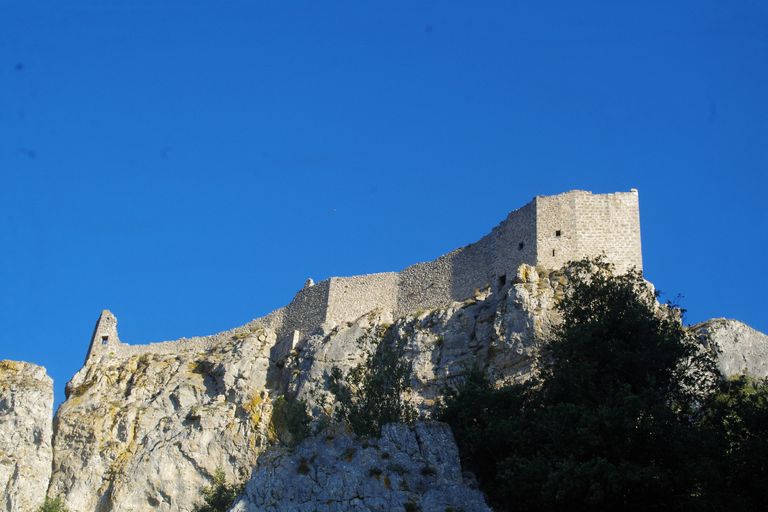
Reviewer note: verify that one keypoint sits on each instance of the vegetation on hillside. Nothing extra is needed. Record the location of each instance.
(628, 412)
(220, 496)
(290, 421)
(53, 505)
(371, 394)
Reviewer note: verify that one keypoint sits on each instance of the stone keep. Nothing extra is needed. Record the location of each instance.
(549, 231)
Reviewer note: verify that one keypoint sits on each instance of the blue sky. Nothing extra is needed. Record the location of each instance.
(189, 164)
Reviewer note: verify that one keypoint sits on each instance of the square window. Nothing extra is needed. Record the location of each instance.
(104, 340)
(558, 233)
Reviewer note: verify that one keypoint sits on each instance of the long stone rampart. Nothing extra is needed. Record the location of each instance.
(105, 341)
(549, 231)
(351, 297)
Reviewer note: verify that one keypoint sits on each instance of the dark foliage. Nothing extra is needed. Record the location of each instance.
(53, 505)
(736, 422)
(623, 416)
(290, 420)
(370, 395)
(220, 496)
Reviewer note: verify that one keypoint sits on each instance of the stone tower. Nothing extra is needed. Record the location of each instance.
(104, 334)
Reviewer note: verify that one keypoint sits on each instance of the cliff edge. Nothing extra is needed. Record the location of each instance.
(26, 410)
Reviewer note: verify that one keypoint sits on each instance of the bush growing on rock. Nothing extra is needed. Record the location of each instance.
(220, 496)
(290, 421)
(622, 416)
(371, 394)
(53, 505)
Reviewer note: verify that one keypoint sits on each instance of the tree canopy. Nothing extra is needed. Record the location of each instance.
(627, 412)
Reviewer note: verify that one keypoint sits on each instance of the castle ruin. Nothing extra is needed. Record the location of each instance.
(549, 231)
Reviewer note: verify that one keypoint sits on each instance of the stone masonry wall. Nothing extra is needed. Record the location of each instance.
(106, 326)
(457, 275)
(104, 337)
(514, 242)
(307, 310)
(425, 285)
(588, 225)
(548, 231)
(351, 297)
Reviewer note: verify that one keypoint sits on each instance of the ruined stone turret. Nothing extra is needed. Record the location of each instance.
(104, 335)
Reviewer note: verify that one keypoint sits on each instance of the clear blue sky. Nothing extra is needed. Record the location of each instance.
(189, 164)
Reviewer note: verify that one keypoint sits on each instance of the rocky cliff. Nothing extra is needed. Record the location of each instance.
(26, 409)
(407, 468)
(147, 431)
(741, 349)
(147, 427)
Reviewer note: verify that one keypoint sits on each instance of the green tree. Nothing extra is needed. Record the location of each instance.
(736, 422)
(220, 496)
(53, 505)
(609, 422)
(371, 394)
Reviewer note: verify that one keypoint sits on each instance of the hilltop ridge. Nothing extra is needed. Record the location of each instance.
(148, 426)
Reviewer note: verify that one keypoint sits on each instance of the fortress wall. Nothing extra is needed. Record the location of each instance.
(456, 276)
(425, 285)
(514, 242)
(198, 344)
(306, 311)
(612, 224)
(104, 336)
(351, 297)
(472, 269)
(590, 224)
(107, 325)
(553, 214)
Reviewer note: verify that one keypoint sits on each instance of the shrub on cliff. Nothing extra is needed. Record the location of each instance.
(53, 505)
(220, 496)
(290, 421)
(610, 423)
(372, 393)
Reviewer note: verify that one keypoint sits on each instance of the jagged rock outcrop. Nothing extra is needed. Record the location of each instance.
(146, 427)
(407, 468)
(26, 410)
(741, 349)
(148, 431)
(496, 330)
(499, 333)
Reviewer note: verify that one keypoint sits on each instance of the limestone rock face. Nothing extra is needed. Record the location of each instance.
(405, 469)
(26, 411)
(148, 431)
(498, 332)
(146, 427)
(741, 349)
